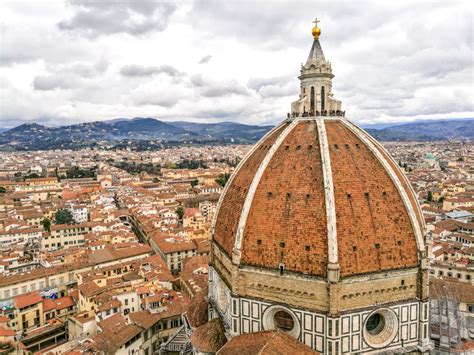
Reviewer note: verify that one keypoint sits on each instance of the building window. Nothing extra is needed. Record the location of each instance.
(375, 324)
(323, 99)
(284, 321)
(380, 328)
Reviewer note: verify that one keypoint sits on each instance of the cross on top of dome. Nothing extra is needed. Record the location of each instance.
(316, 31)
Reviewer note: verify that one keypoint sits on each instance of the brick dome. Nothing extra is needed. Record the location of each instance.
(317, 191)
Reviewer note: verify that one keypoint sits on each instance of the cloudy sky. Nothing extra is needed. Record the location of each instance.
(65, 62)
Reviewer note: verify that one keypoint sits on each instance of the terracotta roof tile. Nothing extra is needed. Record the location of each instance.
(460, 291)
(287, 220)
(229, 211)
(374, 231)
(265, 343)
(28, 299)
(209, 337)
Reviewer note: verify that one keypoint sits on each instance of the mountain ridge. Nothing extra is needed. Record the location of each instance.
(29, 136)
(36, 136)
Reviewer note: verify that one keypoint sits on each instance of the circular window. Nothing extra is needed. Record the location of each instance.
(375, 324)
(380, 328)
(284, 321)
(280, 317)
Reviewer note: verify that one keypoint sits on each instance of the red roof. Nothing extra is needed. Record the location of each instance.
(285, 215)
(6, 332)
(64, 302)
(28, 299)
(173, 244)
(48, 304)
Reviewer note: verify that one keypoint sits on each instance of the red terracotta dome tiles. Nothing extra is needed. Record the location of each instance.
(231, 207)
(287, 219)
(374, 231)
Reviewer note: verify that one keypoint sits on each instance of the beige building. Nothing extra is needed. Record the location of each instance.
(65, 236)
(28, 312)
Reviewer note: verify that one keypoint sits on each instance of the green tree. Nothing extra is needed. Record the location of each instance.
(180, 212)
(32, 176)
(2, 190)
(194, 183)
(46, 223)
(191, 164)
(430, 196)
(63, 217)
(222, 179)
(77, 173)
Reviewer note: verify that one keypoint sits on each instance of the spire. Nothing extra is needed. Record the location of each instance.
(316, 54)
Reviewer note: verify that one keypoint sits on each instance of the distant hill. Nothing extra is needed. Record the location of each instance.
(426, 131)
(121, 131)
(226, 130)
(150, 132)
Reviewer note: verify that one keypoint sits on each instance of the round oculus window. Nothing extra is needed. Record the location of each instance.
(375, 324)
(284, 321)
(282, 318)
(380, 328)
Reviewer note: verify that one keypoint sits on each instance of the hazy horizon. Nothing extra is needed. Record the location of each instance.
(380, 125)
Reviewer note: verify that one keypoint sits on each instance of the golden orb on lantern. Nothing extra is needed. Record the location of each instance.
(316, 31)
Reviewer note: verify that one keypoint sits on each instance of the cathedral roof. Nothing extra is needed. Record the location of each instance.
(210, 337)
(316, 53)
(265, 343)
(319, 190)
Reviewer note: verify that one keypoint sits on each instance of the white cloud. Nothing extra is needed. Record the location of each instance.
(94, 18)
(146, 71)
(205, 59)
(81, 60)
